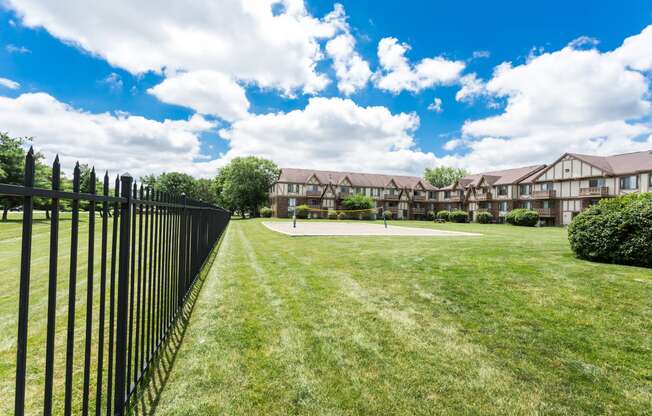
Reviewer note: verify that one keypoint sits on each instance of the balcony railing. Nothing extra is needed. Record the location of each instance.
(391, 197)
(343, 195)
(313, 193)
(595, 191)
(456, 198)
(419, 198)
(547, 194)
(546, 212)
(418, 211)
(483, 196)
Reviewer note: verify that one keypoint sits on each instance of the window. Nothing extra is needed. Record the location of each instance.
(293, 188)
(548, 204)
(375, 191)
(417, 192)
(344, 189)
(292, 202)
(649, 177)
(447, 194)
(391, 191)
(526, 189)
(527, 205)
(548, 186)
(503, 206)
(431, 194)
(502, 190)
(597, 183)
(629, 182)
(485, 205)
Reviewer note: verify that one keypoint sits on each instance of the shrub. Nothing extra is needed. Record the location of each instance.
(266, 212)
(332, 215)
(458, 216)
(443, 215)
(341, 216)
(387, 214)
(431, 215)
(617, 230)
(302, 211)
(523, 217)
(358, 201)
(484, 217)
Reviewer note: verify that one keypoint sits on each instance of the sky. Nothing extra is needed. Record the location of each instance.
(373, 86)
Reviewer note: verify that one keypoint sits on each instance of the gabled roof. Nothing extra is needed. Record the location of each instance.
(501, 177)
(373, 180)
(615, 165)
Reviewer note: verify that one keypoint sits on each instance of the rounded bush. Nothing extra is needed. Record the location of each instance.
(265, 212)
(387, 214)
(523, 217)
(332, 214)
(484, 217)
(443, 215)
(302, 211)
(431, 215)
(341, 216)
(617, 230)
(458, 216)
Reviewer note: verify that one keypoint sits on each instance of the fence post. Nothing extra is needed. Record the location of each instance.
(123, 290)
(23, 303)
(182, 253)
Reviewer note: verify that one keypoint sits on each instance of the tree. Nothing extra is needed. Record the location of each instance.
(12, 170)
(176, 183)
(206, 190)
(243, 185)
(357, 202)
(443, 176)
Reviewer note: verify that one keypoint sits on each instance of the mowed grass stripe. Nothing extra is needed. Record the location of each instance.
(509, 323)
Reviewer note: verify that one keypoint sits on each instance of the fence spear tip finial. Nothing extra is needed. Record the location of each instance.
(30, 151)
(56, 158)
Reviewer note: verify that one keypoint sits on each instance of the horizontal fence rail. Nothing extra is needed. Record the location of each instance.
(152, 247)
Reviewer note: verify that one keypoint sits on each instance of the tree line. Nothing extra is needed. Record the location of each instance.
(241, 186)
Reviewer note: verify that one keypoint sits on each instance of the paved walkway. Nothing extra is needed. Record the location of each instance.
(339, 228)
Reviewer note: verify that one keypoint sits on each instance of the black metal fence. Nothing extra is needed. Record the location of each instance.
(152, 248)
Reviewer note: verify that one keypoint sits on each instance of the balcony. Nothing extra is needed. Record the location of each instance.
(547, 194)
(313, 193)
(419, 198)
(456, 198)
(390, 197)
(546, 212)
(418, 211)
(483, 196)
(595, 191)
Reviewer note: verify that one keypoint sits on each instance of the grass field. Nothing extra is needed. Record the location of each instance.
(506, 323)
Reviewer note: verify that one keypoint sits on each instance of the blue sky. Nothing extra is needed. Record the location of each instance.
(72, 68)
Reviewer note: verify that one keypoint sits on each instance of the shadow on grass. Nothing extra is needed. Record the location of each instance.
(147, 397)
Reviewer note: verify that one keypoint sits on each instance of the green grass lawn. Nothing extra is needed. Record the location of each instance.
(507, 323)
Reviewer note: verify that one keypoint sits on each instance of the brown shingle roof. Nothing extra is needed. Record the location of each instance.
(502, 177)
(620, 164)
(374, 180)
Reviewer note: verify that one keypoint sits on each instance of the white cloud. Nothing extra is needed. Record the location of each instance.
(436, 105)
(453, 144)
(207, 92)
(109, 141)
(351, 70)
(113, 81)
(7, 83)
(398, 74)
(243, 40)
(332, 133)
(583, 42)
(567, 100)
(481, 54)
(16, 49)
(472, 88)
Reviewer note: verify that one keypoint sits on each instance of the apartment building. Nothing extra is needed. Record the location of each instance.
(406, 196)
(558, 191)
